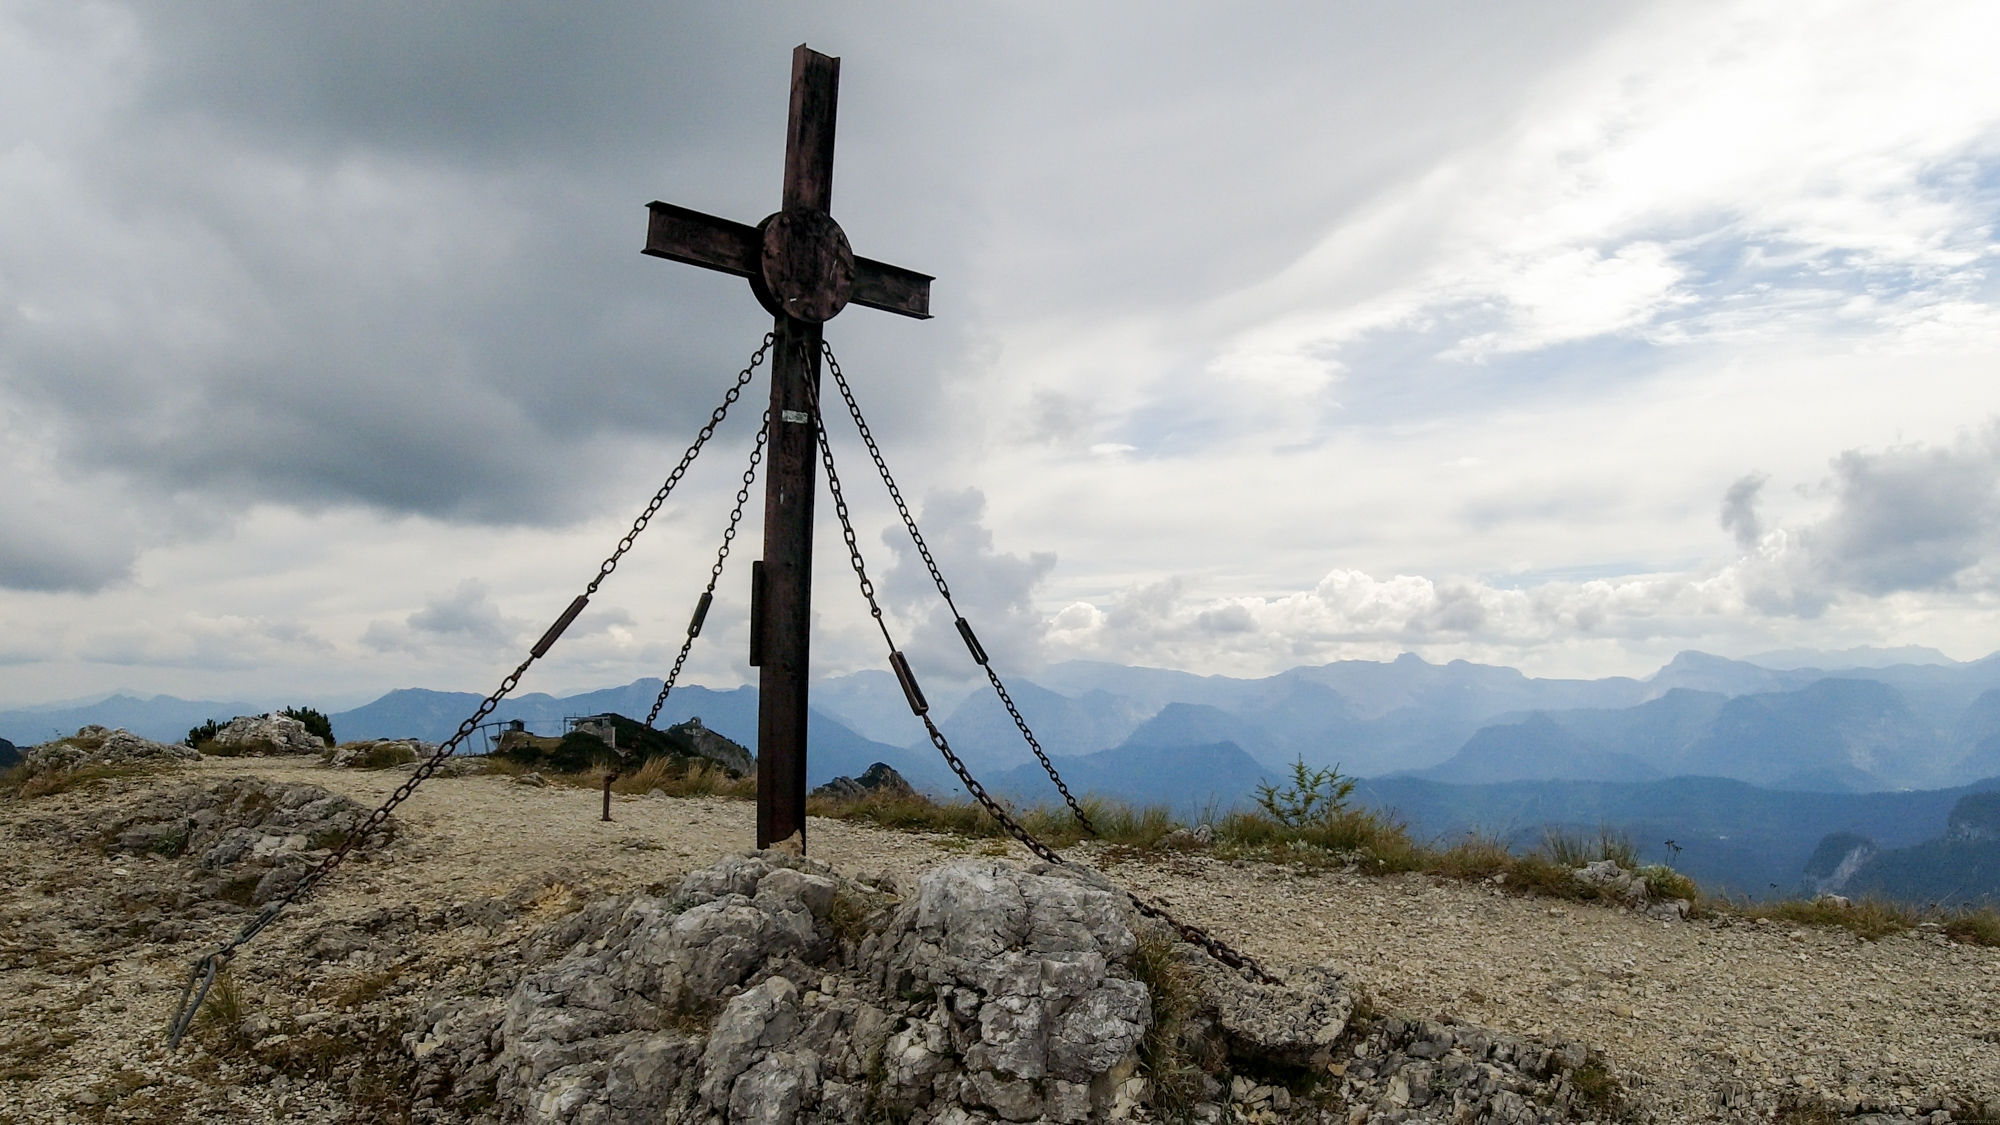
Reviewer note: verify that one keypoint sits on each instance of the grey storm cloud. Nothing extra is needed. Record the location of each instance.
(1908, 518)
(993, 589)
(1911, 517)
(45, 548)
(465, 616)
(386, 256)
(1739, 510)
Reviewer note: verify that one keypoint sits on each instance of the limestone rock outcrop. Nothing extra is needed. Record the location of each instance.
(95, 745)
(1629, 887)
(265, 734)
(717, 748)
(769, 989)
(376, 754)
(243, 840)
(879, 778)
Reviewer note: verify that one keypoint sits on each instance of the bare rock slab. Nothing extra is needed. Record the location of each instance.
(97, 746)
(769, 989)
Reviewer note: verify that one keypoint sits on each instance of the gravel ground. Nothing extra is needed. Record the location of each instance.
(1693, 1016)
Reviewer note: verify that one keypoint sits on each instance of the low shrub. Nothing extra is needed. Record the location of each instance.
(1974, 927)
(1665, 882)
(219, 1023)
(574, 752)
(1867, 918)
(205, 733)
(1314, 797)
(1310, 823)
(316, 723)
(1473, 858)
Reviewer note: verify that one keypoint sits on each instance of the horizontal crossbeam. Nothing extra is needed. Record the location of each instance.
(682, 235)
(879, 285)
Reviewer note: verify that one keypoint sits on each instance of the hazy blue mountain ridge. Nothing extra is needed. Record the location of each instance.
(983, 733)
(1861, 656)
(1154, 735)
(1190, 778)
(1733, 836)
(1835, 734)
(162, 718)
(1536, 749)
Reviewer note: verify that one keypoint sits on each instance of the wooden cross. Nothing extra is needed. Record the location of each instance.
(802, 271)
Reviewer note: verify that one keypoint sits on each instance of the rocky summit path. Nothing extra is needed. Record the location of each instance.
(1702, 1020)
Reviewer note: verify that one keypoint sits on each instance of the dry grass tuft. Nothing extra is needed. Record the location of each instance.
(22, 784)
(680, 778)
(219, 1024)
(911, 812)
(361, 989)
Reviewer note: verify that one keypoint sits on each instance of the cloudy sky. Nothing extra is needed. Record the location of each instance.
(1561, 335)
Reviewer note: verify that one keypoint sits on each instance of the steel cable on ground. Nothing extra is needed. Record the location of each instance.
(202, 976)
(944, 590)
(914, 694)
(714, 572)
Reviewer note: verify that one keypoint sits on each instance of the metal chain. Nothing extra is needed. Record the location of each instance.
(743, 378)
(715, 571)
(1215, 947)
(944, 590)
(202, 976)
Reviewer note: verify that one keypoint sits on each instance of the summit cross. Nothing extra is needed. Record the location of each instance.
(803, 272)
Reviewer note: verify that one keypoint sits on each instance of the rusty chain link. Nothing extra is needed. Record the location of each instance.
(202, 976)
(715, 571)
(944, 589)
(1193, 935)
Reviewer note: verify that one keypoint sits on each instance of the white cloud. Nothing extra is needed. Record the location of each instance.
(1826, 177)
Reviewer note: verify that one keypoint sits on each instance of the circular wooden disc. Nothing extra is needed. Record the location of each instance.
(807, 265)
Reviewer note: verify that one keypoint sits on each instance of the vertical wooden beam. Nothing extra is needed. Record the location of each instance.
(784, 649)
(809, 132)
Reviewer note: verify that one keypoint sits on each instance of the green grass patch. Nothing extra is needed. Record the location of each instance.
(1597, 1090)
(1174, 1072)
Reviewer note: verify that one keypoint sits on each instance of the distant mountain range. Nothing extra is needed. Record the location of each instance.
(161, 718)
(832, 748)
(1747, 764)
(1732, 836)
(1843, 724)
